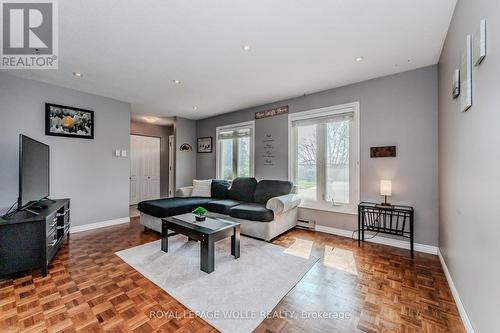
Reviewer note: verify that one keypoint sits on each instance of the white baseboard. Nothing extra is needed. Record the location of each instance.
(91, 226)
(381, 240)
(456, 296)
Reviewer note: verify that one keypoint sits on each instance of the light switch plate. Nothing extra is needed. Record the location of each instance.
(117, 152)
(124, 153)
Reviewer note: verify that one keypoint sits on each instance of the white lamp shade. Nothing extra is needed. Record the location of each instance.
(385, 187)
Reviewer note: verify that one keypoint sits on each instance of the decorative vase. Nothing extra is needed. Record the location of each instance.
(200, 218)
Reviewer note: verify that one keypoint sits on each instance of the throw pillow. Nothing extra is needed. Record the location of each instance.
(201, 188)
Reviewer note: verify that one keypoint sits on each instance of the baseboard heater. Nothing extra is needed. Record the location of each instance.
(306, 224)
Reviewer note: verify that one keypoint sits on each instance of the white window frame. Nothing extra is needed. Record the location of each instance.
(242, 125)
(322, 112)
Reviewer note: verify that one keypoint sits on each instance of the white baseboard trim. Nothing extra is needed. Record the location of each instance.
(381, 240)
(97, 225)
(456, 296)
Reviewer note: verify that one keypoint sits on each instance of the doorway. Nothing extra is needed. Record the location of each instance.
(144, 168)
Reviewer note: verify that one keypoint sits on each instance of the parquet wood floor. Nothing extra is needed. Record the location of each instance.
(377, 288)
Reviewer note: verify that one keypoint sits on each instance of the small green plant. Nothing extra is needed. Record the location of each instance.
(200, 211)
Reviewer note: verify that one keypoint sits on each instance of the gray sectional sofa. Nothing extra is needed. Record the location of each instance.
(264, 209)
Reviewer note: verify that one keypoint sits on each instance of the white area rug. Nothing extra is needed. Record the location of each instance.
(237, 296)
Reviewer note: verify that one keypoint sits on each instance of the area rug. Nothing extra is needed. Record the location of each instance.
(238, 295)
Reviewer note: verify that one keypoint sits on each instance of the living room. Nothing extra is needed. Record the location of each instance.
(248, 167)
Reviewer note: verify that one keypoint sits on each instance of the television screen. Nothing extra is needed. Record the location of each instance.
(33, 171)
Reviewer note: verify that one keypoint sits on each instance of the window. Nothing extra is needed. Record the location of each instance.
(324, 157)
(235, 150)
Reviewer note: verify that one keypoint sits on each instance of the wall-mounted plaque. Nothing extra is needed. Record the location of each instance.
(466, 76)
(384, 151)
(271, 112)
(268, 145)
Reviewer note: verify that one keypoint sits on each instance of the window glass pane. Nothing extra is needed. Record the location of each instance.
(307, 148)
(226, 159)
(243, 157)
(337, 162)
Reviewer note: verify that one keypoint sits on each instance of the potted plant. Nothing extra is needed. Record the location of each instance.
(200, 214)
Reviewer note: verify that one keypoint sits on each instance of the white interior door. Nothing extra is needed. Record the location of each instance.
(170, 166)
(144, 168)
(134, 169)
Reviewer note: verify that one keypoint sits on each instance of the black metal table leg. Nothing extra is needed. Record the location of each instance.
(164, 237)
(235, 242)
(207, 254)
(411, 236)
(359, 226)
(362, 226)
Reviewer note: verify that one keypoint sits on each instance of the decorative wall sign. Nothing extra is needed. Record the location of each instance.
(271, 112)
(205, 144)
(455, 89)
(185, 147)
(466, 76)
(268, 145)
(68, 121)
(480, 43)
(384, 151)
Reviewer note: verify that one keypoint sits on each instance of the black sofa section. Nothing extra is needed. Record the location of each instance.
(252, 211)
(243, 189)
(267, 189)
(222, 206)
(244, 198)
(172, 206)
(220, 188)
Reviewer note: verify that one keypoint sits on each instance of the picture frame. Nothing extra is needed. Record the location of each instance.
(383, 151)
(68, 121)
(205, 144)
(466, 75)
(455, 88)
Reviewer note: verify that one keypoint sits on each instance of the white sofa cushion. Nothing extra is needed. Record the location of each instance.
(201, 188)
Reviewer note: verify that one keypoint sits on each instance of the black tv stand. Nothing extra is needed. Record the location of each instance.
(36, 206)
(29, 238)
(50, 200)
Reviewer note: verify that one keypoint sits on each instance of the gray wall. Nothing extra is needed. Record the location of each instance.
(396, 110)
(185, 161)
(84, 170)
(162, 132)
(469, 168)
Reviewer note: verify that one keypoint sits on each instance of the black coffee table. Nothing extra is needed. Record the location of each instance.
(207, 232)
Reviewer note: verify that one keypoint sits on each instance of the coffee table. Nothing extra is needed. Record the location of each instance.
(207, 232)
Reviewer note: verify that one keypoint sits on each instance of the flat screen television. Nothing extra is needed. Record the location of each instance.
(33, 171)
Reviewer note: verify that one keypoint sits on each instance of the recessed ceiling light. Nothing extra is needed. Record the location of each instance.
(195, 108)
(177, 81)
(359, 59)
(246, 47)
(76, 74)
(150, 119)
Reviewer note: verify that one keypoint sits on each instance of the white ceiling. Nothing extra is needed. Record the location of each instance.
(133, 50)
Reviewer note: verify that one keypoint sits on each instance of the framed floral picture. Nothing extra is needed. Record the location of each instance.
(68, 121)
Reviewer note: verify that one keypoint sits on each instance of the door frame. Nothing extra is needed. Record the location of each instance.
(171, 165)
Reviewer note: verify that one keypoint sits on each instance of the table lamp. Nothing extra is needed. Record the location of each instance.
(385, 190)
